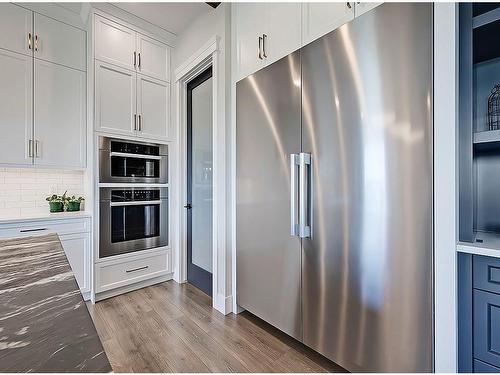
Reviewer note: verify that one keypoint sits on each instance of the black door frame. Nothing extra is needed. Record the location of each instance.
(197, 276)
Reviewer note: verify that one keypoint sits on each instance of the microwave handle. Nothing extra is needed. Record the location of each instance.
(133, 203)
(135, 156)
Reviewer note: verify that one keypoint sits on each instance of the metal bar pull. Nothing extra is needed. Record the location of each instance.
(260, 47)
(29, 40)
(294, 163)
(264, 38)
(304, 194)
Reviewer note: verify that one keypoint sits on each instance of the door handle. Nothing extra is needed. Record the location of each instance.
(305, 172)
(188, 206)
(260, 47)
(264, 38)
(294, 163)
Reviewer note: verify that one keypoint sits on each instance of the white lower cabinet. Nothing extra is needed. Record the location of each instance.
(153, 103)
(75, 236)
(16, 120)
(78, 251)
(59, 116)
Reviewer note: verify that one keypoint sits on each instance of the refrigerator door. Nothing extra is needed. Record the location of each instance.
(367, 121)
(267, 134)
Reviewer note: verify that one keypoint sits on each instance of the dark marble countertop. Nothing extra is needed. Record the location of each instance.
(44, 323)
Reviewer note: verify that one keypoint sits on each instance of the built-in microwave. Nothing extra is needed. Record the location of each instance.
(132, 162)
(132, 219)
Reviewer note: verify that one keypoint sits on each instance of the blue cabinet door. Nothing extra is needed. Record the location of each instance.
(487, 327)
(486, 273)
(482, 367)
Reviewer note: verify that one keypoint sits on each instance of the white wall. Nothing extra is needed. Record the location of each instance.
(214, 23)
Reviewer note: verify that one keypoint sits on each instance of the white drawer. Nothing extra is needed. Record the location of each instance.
(61, 227)
(124, 272)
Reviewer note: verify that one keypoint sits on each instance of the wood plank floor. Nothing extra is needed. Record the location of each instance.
(172, 327)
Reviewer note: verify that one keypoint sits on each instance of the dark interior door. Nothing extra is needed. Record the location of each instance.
(199, 181)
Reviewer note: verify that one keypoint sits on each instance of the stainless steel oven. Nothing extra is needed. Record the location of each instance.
(132, 219)
(132, 162)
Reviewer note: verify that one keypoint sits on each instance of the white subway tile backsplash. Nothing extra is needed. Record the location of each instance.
(23, 191)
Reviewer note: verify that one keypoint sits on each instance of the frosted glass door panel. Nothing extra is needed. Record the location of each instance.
(201, 175)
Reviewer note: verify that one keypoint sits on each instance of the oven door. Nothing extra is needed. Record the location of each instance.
(132, 226)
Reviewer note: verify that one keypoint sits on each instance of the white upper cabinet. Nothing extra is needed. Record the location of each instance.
(319, 19)
(59, 115)
(16, 108)
(59, 43)
(284, 25)
(251, 25)
(115, 99)
(153, 58)
(153, 103)
(362, 7)
(16, 28)
(114, 43)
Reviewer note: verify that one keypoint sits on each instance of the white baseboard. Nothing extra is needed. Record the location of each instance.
(223, 304)
(129, 288)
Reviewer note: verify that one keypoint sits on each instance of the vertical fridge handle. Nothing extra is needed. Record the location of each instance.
(294, 163)
(305, 171)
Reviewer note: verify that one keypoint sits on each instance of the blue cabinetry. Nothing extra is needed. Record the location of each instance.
(479, 313)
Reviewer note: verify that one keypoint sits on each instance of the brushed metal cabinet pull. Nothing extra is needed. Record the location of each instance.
(36, 42)
(135, 59)
(135, 121)
(260, 47)
(264, 38)
(140, 123)
(137, 269)
(30, 148)
(32, 230)
(294, 163)
(29, 40)
(349, 5)
(37, 143)
(139, 60)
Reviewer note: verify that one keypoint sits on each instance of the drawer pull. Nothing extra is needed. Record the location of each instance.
(137, 269)
(32, 230)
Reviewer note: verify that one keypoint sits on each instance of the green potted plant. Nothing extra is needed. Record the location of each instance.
(56, 203)
(73, 203)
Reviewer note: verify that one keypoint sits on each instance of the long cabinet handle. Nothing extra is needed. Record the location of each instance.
(260, 47)
(135, 121)
(29, 40)
(294, 163)
(137, 269)
(135, 59)
(30, 148)
(139, 60)
(264, 38)
(32, 230)
(305, 172)
(140, 123)
(36, 42)
(37, 143)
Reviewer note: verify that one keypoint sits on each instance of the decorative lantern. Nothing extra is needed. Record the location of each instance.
(494, 108)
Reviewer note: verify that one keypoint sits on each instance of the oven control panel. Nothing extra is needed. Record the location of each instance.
(130, 195)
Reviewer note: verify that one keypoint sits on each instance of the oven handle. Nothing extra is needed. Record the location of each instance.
(134, 203)
(136, 156)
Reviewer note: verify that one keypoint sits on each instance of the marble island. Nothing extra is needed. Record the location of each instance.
(44, 323)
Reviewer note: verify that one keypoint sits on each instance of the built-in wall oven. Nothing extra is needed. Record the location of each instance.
(132, 219)
(132, 162)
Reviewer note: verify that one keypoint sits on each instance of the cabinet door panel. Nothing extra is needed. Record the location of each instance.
(250, 24)
(60, 43)
(319, 19)
(16, 121)
(114, 43)
(60, 118)
(115, 99)
(487, 327)
(154, 58)
(153, 98)
(77, 250)
(15, 25)
(284, 25)
(361, 7)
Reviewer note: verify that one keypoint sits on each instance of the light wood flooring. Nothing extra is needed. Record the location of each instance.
(172, 327)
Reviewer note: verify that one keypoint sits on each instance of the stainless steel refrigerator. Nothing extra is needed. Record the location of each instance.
(334, 192)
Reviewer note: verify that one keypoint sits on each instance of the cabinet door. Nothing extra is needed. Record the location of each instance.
(153, 103)
(487, 327)
(284, 25)
(319, 19)
(153, 59)
(115, 99)
(361, 8)
(59, 43)
(77, 249)
(15, 28)
(59, 115)
(16, 121)
(250, 23)
(114, 43)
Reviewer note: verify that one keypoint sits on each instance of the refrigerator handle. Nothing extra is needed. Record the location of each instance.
(305, 171)
(294, 163)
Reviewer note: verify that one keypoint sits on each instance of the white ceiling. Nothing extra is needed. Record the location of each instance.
(173, 17)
